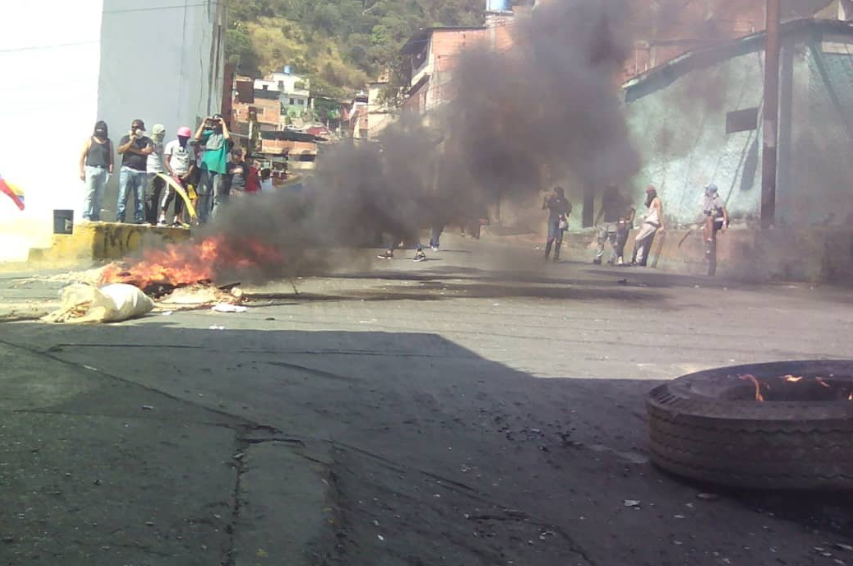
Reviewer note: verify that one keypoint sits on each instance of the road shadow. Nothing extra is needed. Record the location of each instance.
(437, 449)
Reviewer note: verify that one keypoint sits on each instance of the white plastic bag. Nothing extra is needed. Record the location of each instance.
(113, 303)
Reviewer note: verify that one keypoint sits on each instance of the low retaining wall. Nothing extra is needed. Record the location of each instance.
(103, 241)
(812, 255)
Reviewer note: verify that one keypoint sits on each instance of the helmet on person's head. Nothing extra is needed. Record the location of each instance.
(711, 189)
(185, 132)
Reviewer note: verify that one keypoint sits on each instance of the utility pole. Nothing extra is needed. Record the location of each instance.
(771, 116)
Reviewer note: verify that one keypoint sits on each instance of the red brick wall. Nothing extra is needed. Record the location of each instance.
(278, 147)
(269, 111)
(686, 26)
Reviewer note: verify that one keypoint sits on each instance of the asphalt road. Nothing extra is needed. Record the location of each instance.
(480, 408)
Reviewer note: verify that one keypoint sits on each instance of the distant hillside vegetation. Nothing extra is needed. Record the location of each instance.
(339, 44)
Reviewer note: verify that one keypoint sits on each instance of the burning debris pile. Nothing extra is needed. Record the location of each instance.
(160, 271)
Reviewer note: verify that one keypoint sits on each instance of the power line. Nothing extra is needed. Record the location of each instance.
(52, 46)
(163, 8)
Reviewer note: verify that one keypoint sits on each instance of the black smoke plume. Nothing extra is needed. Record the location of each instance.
(515, 121)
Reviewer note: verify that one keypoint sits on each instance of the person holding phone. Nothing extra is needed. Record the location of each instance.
(134, 149)
(215, 139)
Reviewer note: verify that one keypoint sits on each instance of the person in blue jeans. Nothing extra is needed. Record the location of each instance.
(134, 149)
(214, 137)
(96, 166)
(558, 208)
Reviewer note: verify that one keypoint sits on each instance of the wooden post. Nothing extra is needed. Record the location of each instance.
(771, 116)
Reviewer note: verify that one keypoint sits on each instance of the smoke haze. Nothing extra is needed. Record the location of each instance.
(544, 112)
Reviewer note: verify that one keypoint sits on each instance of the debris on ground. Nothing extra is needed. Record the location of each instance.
(707, 496)
(201, 295)
(631, 503)
(86, 304)
(228, 307)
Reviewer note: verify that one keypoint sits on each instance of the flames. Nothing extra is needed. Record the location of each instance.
(756, 383)
(762, 385)
(187, 263)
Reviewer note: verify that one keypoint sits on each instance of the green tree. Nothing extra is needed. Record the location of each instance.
(338, 44)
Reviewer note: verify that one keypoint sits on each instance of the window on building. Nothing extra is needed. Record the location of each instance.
(742, 120)
(291, 102)
(300, 102)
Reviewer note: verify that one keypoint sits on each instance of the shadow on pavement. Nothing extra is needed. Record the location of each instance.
(428, 451)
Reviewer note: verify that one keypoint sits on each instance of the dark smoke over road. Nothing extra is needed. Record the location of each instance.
(545, 111)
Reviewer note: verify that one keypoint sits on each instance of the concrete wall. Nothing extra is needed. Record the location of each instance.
(114, 60)
(678, 118)
(161, 64)
(48, 105)
(680, 131)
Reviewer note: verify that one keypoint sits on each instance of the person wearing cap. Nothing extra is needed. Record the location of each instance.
(716, 217)
(179, 160)
(134, 149)
(215, 138)
(651, 224)
(96, 166)
(154, 165)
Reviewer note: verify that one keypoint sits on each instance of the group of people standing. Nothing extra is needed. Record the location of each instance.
(618, 216)
(205, 164)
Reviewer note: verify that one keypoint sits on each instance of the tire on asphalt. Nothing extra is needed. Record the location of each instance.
(702, 427)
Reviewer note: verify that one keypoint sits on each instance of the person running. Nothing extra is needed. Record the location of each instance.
(611, 210)
(179, 161)
(651, 224)
(436, 228)
(134, 149)
(96, 166)
(623, 228)
(154, 166)
(214, 136)
(559, 210)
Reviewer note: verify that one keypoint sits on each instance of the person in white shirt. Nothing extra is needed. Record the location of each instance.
(154, 165)
(651, 224)
(179, 161)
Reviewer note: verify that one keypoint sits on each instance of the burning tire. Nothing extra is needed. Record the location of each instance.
(782, 425)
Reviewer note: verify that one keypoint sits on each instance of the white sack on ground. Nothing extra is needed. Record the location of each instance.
(82, 304)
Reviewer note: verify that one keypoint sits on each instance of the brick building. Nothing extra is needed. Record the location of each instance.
(665, 30)
(677, 26)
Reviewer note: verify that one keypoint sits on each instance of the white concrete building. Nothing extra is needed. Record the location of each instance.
(294, 90)
(67, 64)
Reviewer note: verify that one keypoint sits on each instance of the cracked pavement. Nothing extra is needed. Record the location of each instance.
(477, 408)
